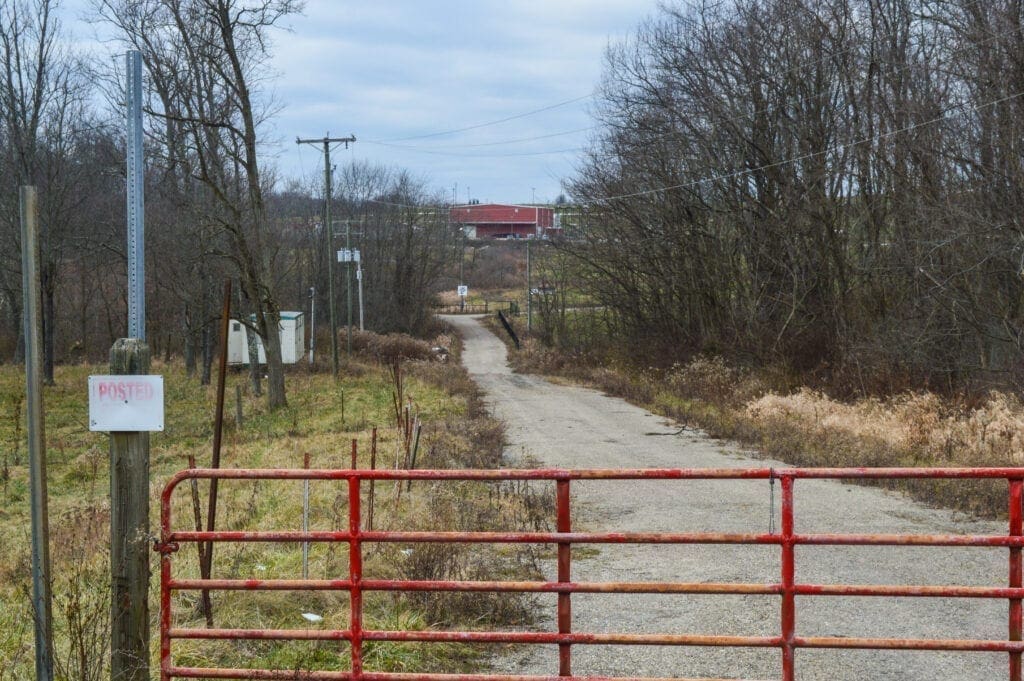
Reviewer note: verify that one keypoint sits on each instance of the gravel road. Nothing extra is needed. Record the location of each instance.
(573, 427)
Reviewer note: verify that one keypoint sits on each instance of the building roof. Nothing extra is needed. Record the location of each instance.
(496, 213)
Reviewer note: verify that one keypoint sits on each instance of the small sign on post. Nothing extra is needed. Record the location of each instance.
(463, 290)
(126, 403)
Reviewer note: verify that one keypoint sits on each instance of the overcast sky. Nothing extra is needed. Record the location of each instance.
(400, 74)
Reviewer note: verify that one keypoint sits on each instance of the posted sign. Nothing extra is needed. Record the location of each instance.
(463, 291)
(126, 403)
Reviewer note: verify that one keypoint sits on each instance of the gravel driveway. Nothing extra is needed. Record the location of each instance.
(574, 427)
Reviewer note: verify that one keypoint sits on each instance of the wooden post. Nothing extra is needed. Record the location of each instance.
(129, 532)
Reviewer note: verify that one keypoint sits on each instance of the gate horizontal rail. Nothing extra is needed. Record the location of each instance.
(787, 589)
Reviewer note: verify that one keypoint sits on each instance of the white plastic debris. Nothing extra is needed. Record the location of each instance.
(312, 617)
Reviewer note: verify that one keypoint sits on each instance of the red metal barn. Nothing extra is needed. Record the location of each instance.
(497, 221)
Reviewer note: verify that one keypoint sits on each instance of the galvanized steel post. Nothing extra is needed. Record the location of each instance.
(135, 185)
(41, 595)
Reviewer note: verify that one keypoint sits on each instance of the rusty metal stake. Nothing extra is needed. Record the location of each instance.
(197, 514)
(206, 568)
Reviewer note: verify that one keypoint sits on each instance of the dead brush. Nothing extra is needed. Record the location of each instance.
(474, 506)
(391, 348)
(81, 594)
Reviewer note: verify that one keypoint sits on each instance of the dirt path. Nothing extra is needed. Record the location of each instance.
(578, 428)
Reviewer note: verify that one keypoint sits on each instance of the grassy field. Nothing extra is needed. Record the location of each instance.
(322, 419)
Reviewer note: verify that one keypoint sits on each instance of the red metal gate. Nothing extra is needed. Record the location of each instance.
(787, 589)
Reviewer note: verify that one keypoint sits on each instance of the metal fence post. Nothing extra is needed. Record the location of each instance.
(564, 524)
(355, 575)
(41, 589)
(788, 579)
(1016, 529)
(135, 186)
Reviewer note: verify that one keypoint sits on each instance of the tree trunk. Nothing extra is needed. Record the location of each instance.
(49, 316)
(190, 353)
(207, 342)
(275, 366)
(18, 325)
(254, 363)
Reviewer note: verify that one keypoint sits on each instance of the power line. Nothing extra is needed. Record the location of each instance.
(803, 157)
(711, 101)
(488, 123)
(420, 150)
(766, 166)
(495, 144)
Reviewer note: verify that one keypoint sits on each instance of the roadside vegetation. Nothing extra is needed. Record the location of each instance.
(321, 419)
(793, 416)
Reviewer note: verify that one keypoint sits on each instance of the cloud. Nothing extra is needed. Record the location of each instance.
(390, 69)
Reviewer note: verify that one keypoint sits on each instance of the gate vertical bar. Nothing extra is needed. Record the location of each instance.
(305, 518)
(788, 578)
(564, 524)
(1016, 529)
(165, 586)
(355, 575)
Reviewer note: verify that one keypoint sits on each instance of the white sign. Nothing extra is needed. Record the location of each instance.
(463, 291)
(348, 255)
(126, 403)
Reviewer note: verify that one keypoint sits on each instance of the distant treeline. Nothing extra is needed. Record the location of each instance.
(834, 186)
(215, 209)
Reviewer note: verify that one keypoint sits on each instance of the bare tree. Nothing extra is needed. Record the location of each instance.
(206, 60)
(834, 186)
(42, 115)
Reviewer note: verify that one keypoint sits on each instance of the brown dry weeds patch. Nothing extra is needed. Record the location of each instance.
(768, 410)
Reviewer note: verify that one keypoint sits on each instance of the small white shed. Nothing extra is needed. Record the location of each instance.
(293, 340)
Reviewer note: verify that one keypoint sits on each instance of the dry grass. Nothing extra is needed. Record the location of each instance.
(769, 411)
(456, 433)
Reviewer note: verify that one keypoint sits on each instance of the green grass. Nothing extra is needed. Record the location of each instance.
(456, 431)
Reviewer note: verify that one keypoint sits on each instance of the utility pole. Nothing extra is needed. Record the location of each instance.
(327, 141)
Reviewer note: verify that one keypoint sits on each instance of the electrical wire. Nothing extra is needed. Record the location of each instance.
(493, 144)
(709, 100)
(775, 164)
(495, 155)
(488, 123)
(803, 157)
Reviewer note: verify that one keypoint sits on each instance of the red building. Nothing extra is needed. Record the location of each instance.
(496, 221)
